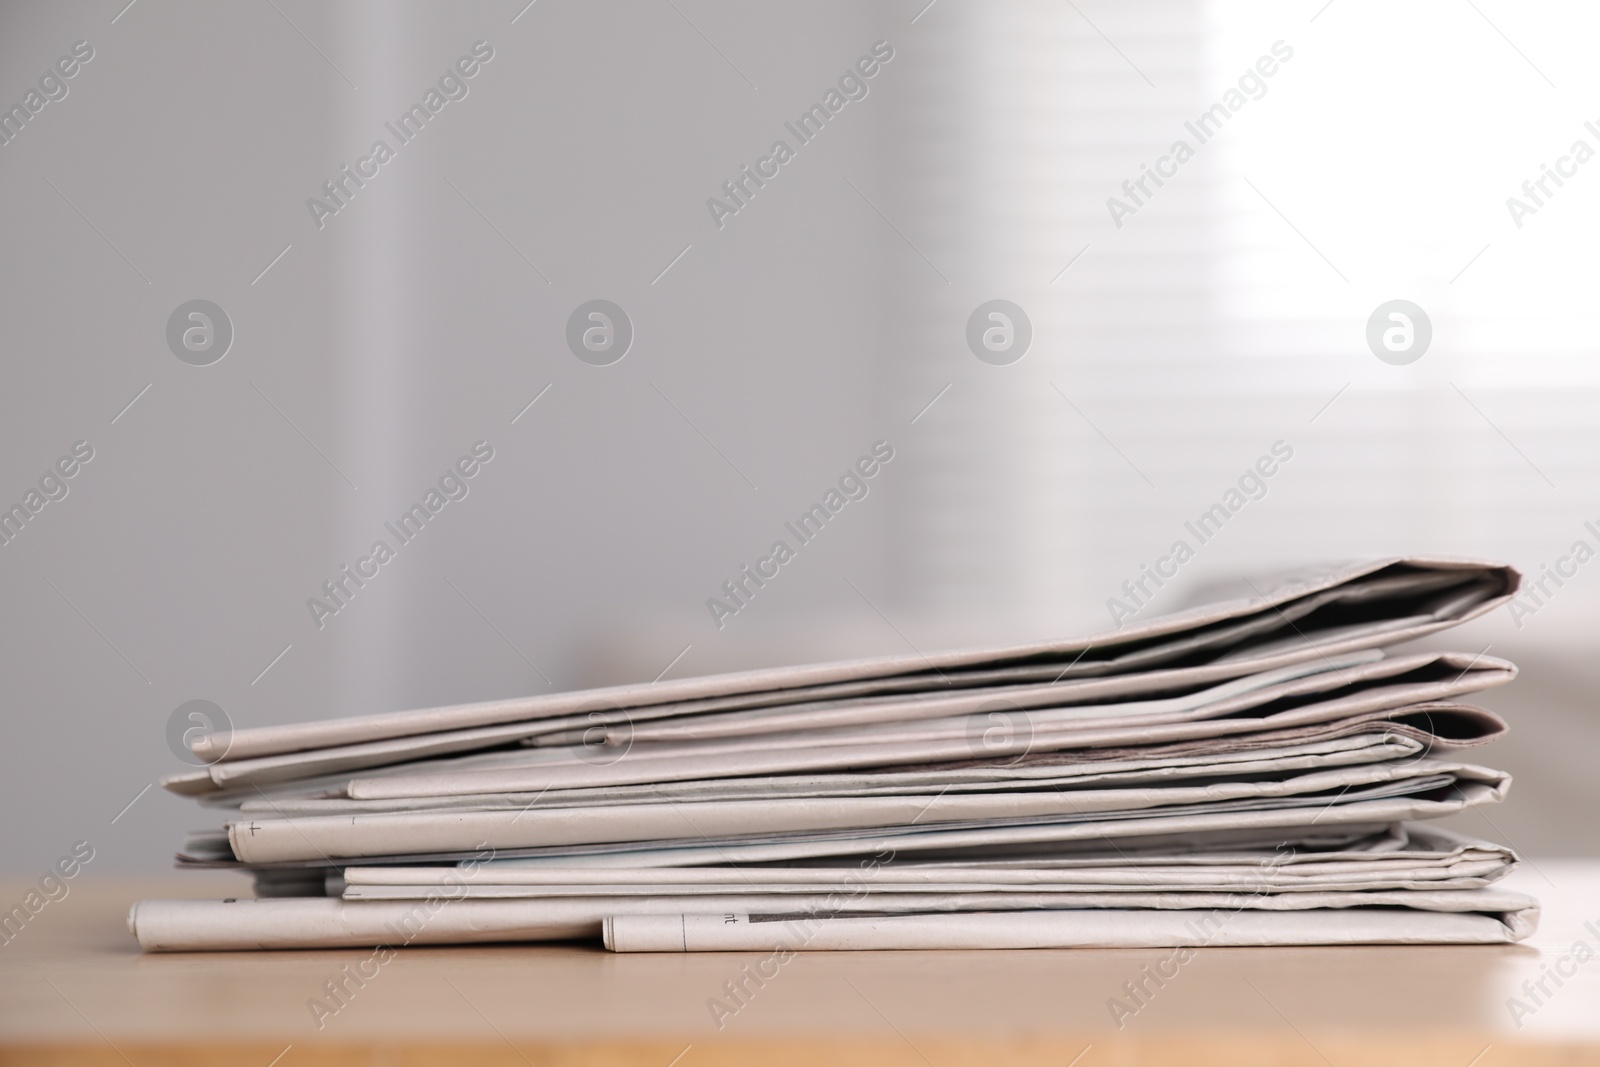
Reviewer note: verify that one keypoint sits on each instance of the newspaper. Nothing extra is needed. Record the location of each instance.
(1481, 916)
(1355, 606)
(1050, 714)
(1057, 771)
(1314, 794)
(1112, 920)
(1268, 759)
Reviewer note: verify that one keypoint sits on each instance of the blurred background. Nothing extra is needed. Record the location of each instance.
(1163, 337)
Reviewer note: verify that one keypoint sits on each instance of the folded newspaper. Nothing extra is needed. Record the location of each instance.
(1254, 772)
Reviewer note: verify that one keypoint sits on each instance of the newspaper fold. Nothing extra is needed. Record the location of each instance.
(1339, 609)
(1322, 794)
(1475, 916)
(642, 924)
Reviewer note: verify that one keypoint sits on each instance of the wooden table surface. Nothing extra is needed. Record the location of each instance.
(74, 988)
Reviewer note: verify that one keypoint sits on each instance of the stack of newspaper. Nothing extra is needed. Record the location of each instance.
(1253, 772)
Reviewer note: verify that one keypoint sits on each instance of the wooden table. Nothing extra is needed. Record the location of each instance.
(74, 988)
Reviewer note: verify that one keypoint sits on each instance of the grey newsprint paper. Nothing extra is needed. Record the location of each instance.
(1316, 613)
(1482, 916)
(1254, 772)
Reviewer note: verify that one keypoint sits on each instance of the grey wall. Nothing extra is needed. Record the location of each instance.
(414, 323)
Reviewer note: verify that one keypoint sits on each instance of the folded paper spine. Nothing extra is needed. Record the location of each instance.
(273, 740)
(1100, 928)
(1475, 916)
